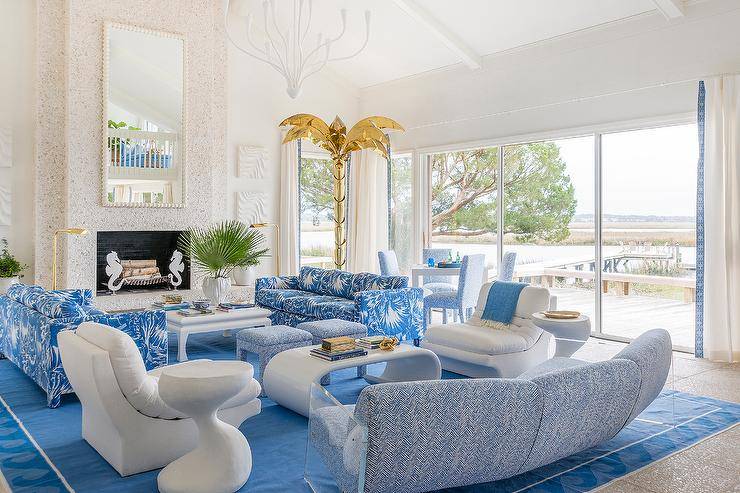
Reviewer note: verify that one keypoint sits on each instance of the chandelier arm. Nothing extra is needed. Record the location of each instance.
(364, 44)
(328, 42)
(308, 20)
(320, 65)
(266, 60)
(283, 63)
(271, 3)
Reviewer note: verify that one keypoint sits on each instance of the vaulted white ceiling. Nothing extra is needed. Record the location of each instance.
(410, 37)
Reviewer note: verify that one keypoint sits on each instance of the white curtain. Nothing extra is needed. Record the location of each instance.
(368, 211)
(722, 220)
(289, 207)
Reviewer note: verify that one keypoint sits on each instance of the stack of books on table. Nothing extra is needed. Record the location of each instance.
(338, 348)
(369, 342)
(163, 305)
(230, 307)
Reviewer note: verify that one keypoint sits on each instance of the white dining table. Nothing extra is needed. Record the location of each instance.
(421, 270)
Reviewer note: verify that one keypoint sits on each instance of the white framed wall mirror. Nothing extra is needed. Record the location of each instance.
(144, 122)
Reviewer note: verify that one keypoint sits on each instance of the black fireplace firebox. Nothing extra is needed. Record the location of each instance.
(141, 262)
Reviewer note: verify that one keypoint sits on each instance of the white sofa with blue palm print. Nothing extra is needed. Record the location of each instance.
(31, 318)
(385, 304)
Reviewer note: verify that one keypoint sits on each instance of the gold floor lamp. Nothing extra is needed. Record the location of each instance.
(277, 240)
(70, 231)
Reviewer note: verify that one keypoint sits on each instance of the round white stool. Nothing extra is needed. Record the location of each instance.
(570, 334)
(222, 461)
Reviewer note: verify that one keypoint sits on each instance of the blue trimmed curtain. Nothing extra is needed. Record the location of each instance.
(700, 123)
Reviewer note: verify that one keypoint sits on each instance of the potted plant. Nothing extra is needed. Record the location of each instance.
(216, 251)
(10, 268)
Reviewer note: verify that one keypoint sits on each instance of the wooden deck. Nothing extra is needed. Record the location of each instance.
(629, 316)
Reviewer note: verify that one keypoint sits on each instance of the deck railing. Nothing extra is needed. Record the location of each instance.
(141, 149)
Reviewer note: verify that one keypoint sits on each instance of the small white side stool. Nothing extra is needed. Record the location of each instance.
(222, 461)
(569, 334)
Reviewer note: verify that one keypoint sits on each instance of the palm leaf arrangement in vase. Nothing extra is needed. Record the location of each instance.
(216, 251)
(368, 133)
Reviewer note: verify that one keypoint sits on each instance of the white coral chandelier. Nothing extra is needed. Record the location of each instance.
(287, 51)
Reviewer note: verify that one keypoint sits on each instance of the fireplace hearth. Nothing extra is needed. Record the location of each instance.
(140, 261)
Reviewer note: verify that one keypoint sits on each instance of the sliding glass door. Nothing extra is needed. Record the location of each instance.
(401, 210)
(648, 232)
(316, 210)
(606, 221)
(464, 191)
(549, 217)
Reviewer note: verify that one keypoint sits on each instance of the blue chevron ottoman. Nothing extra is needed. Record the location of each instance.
(335, 327)
(268, 341)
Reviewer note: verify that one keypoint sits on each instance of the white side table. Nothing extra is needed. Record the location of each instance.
(570, 334)
(222, 461)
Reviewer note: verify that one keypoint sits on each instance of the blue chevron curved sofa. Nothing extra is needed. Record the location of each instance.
(31, 318)
(468, 431)
(385, 304)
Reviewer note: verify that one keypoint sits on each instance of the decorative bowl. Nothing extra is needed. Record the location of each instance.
(201, 304)
(562, 314)
(449, 265)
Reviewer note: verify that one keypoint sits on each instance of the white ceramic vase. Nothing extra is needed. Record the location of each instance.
(216, 289)
(244, 276)
(5, 283)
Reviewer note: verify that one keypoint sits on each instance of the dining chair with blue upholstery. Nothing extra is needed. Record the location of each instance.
(437, 284)
(463, 299)
(506, 272)
(388, 263)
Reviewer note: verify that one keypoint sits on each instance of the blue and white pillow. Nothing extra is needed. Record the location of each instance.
(55, 306)
(25, 294)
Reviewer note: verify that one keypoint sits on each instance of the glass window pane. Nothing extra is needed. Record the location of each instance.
(649, 236)
(402, 210)
(317, 226)
(549, 218)
(463, 200)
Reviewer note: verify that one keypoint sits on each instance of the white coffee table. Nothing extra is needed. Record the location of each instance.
(289, 374)
(222, 461)
(570, 334)
(216, 322)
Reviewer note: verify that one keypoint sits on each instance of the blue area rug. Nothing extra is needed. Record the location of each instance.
(41, 450)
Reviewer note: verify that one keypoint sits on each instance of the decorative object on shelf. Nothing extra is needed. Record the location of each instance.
(218, 250)
(252, 162)
(10, 268)
(201, 304)
(114, 271)
(177, 266)
(287, 52)
(5, 206)
(562, 314)
(277, 241)
(388, 344)
(250, 207)
(54, 242)
(172, 298)
(365, 134)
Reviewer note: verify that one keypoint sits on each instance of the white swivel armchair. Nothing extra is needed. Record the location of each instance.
(123, 417)
(474, 349)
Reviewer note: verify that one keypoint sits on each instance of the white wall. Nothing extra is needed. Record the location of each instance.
(17, 38)
(257, 103)
(444, 107)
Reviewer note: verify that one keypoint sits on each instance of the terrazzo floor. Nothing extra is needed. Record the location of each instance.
(711, 466)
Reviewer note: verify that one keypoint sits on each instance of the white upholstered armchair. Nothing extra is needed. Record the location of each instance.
(476, 350)
(123, 417)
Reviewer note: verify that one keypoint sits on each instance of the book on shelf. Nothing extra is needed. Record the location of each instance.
(334, 343)
(370, 342)
(229, 307)
(194, 312)
(337, 356)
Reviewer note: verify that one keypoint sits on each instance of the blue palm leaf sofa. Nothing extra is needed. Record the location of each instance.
(385, 304)
(31, 319)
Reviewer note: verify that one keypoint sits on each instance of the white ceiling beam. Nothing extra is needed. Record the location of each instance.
(671, 9)
(451, 40)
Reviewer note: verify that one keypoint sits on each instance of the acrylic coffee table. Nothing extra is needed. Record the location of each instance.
(289, 374)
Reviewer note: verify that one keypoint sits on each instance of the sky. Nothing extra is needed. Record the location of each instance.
(645, 172)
